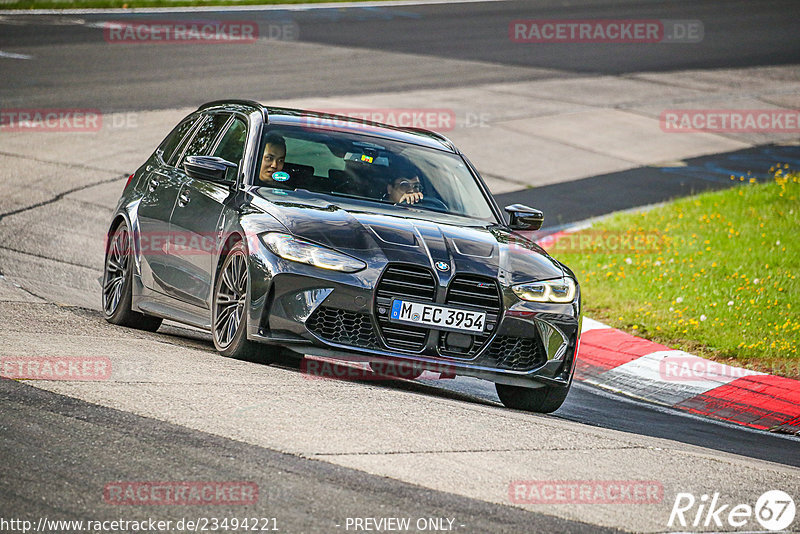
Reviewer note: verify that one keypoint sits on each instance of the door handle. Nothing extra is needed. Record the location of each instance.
(153, 185)
(183, 199)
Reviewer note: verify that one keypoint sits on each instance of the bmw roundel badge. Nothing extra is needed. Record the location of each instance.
(442, 266)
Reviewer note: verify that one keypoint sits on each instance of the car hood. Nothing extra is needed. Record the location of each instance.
(491, 251)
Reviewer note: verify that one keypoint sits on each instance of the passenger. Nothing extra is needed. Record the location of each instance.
(273, 159)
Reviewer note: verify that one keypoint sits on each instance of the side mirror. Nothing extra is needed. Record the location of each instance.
(210, 168)
(524, 218)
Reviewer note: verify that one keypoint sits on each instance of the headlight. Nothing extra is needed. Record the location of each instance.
(561, 291)
(293, 249)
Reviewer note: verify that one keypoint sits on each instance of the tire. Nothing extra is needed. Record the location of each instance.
(396, 370)
(545, 399)
(118, 283)
(229, 311)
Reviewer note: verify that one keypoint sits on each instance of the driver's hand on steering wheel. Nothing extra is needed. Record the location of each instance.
(410, 198)
(408, 190)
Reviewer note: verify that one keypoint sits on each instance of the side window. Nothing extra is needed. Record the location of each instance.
(231, 147)
(205, 135)
(175, 137)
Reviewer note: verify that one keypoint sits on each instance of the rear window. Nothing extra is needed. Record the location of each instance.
(205, 134)
(173, 140)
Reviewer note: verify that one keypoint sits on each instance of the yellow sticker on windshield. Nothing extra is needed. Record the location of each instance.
(366, 158)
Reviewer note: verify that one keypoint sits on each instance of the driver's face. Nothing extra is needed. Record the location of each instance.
(272, 161)
(402, 187)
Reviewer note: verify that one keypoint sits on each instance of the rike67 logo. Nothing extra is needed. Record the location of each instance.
(774, 511)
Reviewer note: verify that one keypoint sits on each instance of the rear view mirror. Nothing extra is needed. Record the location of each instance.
(210, 168)
(524, 218)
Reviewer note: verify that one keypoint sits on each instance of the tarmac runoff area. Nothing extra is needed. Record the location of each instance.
(412, 432)
(55, 205)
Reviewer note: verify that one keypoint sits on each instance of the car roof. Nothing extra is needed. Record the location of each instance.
(315, 119)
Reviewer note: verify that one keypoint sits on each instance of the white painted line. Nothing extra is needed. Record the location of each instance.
(11, 55)
(271, 7)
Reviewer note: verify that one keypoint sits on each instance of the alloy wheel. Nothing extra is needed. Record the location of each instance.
(116, 270)
(230, 299)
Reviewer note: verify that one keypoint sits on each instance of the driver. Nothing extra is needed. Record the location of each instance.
(405, 187)
(273, 159)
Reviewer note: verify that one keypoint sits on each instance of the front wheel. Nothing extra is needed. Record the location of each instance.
(118, 282)
(229, 318)
(545, 399)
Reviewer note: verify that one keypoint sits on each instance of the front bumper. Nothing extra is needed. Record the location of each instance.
(331, 314)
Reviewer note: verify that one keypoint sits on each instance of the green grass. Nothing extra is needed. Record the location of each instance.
(89, 4)
(715, 274)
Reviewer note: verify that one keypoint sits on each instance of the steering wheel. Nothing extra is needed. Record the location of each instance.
(431, 203)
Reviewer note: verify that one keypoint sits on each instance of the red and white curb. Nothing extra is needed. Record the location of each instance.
(620, 362)
(617, 361)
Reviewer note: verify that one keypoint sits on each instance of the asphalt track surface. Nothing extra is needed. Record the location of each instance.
(60, 452)
(36, 426)
(74, 57)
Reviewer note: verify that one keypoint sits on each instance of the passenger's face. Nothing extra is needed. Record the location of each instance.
(272, 161)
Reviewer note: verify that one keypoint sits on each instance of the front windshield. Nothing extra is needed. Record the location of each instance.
(390, 173)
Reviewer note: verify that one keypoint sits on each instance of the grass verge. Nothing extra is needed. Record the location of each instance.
(714, 275)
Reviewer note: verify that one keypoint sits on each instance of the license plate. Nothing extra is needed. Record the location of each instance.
(438, 317)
